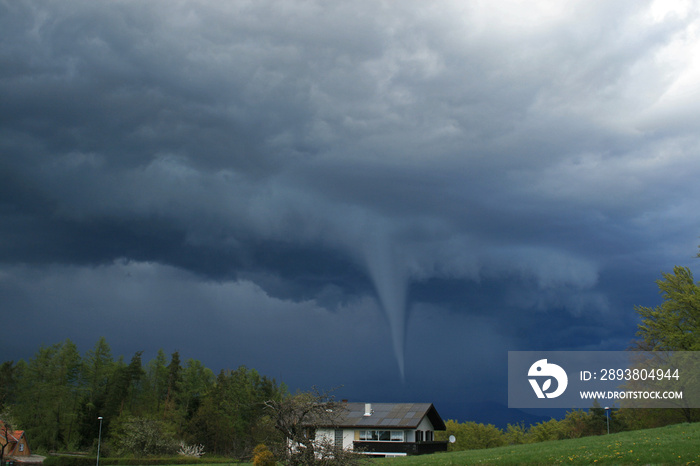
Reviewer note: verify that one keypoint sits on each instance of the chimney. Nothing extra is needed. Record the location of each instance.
(368, 409)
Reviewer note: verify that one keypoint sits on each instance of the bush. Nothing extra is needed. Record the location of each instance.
(516, 434)
(546, 430)
(577, 423)
(192, 451)
(470, 435)
(263, 457)
(141, 436)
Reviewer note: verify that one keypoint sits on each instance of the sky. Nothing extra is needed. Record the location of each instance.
(385, 197)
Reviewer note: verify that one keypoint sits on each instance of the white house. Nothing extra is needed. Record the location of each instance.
(386, 429)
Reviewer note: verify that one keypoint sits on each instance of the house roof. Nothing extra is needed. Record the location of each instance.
(389, 415)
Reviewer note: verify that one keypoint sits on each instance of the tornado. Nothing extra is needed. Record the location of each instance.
(388, 272)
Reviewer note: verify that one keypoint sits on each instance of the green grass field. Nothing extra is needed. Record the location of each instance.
(677, 444)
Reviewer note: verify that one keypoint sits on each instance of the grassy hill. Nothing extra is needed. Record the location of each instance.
(677, 444)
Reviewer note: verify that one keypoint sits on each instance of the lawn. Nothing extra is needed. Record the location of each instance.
(677, 444)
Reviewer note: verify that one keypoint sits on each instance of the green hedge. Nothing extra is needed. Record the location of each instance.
(149, 461)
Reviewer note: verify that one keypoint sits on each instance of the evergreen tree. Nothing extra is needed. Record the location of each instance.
(174, 385)
(7, 384)
(157, 382)
(197, 381)
(48, 394)
(98, 367)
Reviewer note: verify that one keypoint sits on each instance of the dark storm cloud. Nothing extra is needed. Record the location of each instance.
(505, 169)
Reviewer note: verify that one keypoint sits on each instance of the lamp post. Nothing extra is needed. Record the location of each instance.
(99, 441)
(607, 417)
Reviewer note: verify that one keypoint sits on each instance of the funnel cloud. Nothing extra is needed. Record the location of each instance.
(391, 283)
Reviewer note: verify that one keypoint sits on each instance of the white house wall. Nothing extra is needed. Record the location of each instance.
(425, 424)
(348, 439)
(329, 435)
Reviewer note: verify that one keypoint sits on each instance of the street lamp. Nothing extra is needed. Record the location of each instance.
(607, 417)
(99, 441)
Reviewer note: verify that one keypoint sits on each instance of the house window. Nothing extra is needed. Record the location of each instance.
(381, 435)
(338, 441)
(21, 447)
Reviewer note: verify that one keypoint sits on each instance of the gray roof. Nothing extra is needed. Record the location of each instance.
(389, 415)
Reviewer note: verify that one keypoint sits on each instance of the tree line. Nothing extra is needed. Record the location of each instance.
(577, 423)
(147, 408)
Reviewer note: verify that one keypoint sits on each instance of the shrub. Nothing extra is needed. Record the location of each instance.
(192, 451)
(546, 430)
(471, 435)
(141, 436)
(263, 457)
(516, 434)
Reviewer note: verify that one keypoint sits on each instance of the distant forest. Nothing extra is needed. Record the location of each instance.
(58, 397)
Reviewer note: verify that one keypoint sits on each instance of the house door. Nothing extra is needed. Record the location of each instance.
(339, 438)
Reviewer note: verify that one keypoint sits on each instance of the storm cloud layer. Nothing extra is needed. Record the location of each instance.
(366, 193)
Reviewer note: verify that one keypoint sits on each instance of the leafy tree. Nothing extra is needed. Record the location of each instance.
(5, 427)
(328, 454)
(212, 426)
(297, 417)
(675, 324)
(231, 410)
(576, 424)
